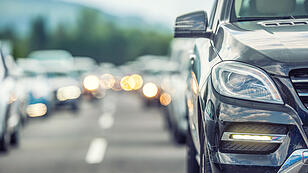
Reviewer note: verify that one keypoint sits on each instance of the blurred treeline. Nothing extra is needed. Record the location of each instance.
(91, 36)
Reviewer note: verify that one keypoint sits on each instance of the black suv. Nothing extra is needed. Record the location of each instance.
(247, 91)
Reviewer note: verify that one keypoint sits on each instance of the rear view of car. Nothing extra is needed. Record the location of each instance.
(152, 69)
(61, 76)
(37, 94)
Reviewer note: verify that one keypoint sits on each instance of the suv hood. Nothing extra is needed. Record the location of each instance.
(276, 49)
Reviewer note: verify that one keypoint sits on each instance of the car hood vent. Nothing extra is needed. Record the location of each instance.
(284, 23)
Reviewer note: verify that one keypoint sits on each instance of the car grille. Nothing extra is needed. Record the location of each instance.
(248, 147)
(257, 128)
(299, 79)
(252, 147)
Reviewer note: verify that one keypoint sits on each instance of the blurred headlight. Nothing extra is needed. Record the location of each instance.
(13, 98)
(165, 99)
(138, 81)
(150, 90)
(68, 93)
(117, 84)
(91, 83)
(107, 81)
(36, 110)
(239, 80)
(126, 83)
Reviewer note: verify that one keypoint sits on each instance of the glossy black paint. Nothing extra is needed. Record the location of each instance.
(275, 49)
(191, 24)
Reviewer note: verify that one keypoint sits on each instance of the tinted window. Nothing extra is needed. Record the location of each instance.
(271, 9)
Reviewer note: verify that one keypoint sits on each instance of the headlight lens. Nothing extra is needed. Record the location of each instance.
(235, 79)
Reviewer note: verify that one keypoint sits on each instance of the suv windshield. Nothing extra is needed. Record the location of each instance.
(247, 10)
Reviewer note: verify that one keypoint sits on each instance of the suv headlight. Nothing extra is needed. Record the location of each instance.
(239, 80)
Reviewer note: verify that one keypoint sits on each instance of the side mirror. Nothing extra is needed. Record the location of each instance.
(192, 25)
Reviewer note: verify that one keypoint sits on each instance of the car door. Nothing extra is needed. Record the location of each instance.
(202, 54)
(6, 89)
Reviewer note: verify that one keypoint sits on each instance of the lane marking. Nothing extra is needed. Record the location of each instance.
(106, 121)
(96, 151)
(109, 104)
(109, 107)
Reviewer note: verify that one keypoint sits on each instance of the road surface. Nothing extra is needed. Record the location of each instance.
(114, 135)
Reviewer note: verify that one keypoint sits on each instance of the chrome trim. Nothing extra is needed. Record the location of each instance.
(278, 137)
(297, 162)
(299, 80)
(198, 159)
(291, 22)
(303, 94)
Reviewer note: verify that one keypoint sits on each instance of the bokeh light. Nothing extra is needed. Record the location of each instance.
(165, 99)
(91, 83)
(125, 83)
(107, 81)
(150, 90)
(138, 81)
(36, 110)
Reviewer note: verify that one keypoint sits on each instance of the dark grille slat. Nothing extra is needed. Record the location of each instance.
(299, 79)
(248, 147)
(252, 147)
(257, 128)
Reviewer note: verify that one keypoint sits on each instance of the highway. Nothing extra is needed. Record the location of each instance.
(117, 134)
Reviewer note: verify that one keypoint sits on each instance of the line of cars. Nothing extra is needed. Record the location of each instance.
(163, 85)
(35, 86)
(237, 91)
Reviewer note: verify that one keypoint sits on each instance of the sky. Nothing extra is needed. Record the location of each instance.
(156, 11)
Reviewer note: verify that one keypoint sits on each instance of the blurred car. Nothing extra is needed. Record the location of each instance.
(86, 68)
(37, 94)
(63, 80)
(174, 85)
(83, 65)
(152, 70)
(10, 120)
(110, 76)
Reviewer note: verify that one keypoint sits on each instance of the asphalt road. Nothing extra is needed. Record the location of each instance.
(115, 135)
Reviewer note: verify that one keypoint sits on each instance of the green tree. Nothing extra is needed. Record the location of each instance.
(38, 37)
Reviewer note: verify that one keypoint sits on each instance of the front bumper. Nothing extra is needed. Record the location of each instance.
(297, 162)
(220, 112)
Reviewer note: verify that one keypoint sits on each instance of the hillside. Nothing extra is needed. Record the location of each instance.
(19, 14)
